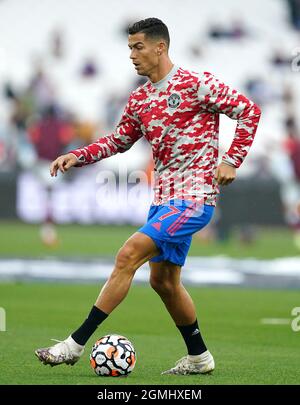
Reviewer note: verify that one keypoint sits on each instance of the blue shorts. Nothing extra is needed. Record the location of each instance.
(172, 225)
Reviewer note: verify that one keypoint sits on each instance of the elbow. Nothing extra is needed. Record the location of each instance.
(257, 110)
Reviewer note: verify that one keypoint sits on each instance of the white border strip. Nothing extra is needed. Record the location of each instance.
(275, 321)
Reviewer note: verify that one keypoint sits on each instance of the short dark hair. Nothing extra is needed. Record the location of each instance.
(151, 27)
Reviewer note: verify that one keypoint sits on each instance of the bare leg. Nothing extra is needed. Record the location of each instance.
(165, 280)
(137, 250)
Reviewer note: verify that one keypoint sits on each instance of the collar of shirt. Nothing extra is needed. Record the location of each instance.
(163, 82)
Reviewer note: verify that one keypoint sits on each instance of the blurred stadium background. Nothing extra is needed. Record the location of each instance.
(65, 77)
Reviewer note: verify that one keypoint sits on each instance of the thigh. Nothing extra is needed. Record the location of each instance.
(139, 247)
(165, 270)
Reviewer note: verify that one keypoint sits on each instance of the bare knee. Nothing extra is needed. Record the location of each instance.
(126, 258)
(137, 250)
(163, 287)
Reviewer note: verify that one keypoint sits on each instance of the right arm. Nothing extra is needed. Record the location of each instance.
(125, 135)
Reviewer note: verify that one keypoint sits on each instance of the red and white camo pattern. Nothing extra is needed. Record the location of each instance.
(181, 122)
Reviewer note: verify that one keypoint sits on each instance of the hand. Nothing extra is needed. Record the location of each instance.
(225, 174)
(63, 163)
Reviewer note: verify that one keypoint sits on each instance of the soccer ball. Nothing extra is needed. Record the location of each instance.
(113, 356)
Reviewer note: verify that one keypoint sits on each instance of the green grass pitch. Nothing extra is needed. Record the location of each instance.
(22, 240)
(245, 351)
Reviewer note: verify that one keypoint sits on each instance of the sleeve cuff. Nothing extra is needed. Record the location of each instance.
(79, 156)
(231, 161)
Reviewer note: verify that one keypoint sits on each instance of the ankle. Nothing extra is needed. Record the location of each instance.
(199, 357)
(74, 345)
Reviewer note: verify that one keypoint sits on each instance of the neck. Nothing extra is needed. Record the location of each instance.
(160, 71)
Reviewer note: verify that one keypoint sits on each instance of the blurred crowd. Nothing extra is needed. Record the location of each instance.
(39, 125)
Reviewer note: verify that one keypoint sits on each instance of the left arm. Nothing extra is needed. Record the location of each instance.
(220, 98)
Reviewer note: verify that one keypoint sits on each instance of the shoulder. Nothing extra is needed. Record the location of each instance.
(208, 83)
(196, 79)
(185, 79)
(206, 77)
(187, 75)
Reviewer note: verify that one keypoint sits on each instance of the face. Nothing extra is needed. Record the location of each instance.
(144, 53)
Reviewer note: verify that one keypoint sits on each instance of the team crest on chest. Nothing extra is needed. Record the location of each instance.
(174, 100)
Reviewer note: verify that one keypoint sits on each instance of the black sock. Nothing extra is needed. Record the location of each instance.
(85, 331)
(192, 338)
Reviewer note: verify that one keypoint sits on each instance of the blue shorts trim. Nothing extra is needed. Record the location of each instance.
(172, 225)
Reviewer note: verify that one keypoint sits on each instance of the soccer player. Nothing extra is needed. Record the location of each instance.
(178, 112)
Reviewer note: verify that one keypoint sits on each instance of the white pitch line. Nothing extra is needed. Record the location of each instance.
(275, 321)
